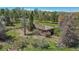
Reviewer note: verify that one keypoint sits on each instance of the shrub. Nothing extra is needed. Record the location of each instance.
(57, 31)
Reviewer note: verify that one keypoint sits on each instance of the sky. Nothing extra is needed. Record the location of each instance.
(65, 9)
(59, 9)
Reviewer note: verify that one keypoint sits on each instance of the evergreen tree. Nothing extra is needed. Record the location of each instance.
(31, 25)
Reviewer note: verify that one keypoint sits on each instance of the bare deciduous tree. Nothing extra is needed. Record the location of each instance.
(69, 38)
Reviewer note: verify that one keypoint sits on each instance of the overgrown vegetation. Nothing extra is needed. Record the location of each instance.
(35, 30)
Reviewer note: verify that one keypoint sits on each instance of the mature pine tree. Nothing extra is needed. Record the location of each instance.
(31, 25)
